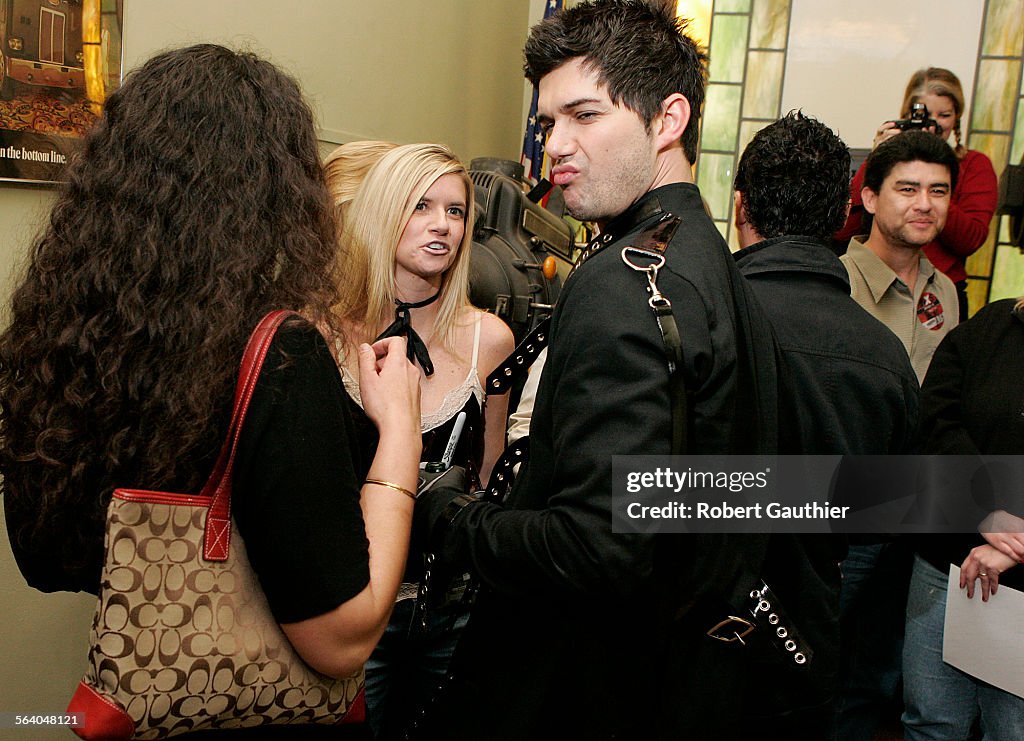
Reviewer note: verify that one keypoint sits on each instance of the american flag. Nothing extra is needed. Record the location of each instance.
(535, 162)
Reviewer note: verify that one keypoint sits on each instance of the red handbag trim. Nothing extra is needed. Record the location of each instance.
(217, 542)
(217, 539)
(105, 718)
(357, 710)
(161, 497)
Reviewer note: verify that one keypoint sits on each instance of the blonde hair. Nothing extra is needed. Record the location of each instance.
(937, 81)
(346, 167)
(376, 218)
(1019, 306)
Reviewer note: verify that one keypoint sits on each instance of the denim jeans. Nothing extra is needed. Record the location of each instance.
(409, 664)
(872, 608)
(942, 703)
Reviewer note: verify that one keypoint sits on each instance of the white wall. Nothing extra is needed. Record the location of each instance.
(443, 70)
(849, 62)
(43, 641)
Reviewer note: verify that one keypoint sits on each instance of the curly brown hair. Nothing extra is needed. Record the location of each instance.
(794, 178)
(196, 205)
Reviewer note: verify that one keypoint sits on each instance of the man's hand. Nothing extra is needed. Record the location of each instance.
(435, 492)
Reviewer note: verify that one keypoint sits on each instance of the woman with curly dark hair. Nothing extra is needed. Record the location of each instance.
(197, 205)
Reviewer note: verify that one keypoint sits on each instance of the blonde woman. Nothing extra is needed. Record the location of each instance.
(405, 241)
(346, 168)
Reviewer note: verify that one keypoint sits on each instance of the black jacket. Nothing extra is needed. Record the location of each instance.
(973, 403)
(568, 637)
(847, 387)
(848, 382)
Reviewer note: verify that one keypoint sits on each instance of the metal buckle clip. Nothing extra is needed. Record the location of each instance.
(728, 630)
(651, 271)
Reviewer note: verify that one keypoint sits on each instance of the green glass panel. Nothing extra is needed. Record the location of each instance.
(714, 176)
(770, 24)
(996, 146)
(980, 263)
(764, 84)
(995, 97)
(728, 48)
(732, 6)
(747, 131)
(1008, 276)
(721, 117)
(1003, 28)
(1017, 153)
(977, 295)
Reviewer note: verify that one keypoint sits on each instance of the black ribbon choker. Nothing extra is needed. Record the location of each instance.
(416, 349)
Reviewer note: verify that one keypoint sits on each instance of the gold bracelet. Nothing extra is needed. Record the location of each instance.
(389, 485)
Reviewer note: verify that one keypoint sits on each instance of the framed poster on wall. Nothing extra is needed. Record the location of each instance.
(59, 59)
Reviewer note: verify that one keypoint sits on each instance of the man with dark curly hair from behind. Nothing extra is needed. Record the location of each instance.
(790, 190)
(848, 384)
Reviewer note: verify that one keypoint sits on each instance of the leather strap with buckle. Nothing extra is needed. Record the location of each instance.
(504, 472)
(781, 632)
(732, 629)
(515, 366)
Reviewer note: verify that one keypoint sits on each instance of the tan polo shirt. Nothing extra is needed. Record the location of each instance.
(920, 318)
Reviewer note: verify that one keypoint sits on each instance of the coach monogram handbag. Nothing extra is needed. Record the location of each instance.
(183, 638)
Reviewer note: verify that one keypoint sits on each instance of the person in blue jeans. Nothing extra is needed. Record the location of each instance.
(872, 604)
(970, 406)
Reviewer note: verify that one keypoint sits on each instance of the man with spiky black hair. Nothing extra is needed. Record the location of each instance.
(581, 632)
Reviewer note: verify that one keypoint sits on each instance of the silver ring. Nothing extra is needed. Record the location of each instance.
(982, 573)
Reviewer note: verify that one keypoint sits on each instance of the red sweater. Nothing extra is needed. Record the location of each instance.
(970, 213)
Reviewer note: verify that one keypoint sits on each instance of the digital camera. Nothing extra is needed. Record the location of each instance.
(919, 119)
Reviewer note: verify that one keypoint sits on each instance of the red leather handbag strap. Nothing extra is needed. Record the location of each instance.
(217, 537)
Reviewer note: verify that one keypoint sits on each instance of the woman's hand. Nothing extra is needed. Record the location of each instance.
(985, 563)
(1005, 532)
(885, 132)
(390, 386)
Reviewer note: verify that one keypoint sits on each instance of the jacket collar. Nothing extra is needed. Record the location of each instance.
(792, 254)
(661, 202)
(667, 198)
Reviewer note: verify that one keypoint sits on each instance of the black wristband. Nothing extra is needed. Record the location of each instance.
(453, 509)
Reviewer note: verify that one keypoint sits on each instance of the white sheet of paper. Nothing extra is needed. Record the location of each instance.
(985, 639)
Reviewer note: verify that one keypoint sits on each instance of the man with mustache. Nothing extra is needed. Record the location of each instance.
(907, 184)
(908, 180)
